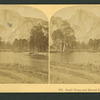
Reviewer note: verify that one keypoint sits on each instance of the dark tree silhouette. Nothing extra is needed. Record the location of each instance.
(64, 38)
(39, 38)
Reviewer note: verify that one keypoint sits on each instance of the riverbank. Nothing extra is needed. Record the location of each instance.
(71, 73)
(38, 55)
(74, 50)
(18, 73)
(41, 55)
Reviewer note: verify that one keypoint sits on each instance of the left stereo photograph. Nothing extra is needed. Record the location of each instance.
(23, 45)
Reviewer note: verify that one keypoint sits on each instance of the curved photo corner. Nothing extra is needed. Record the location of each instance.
(75, 45)
(23, 45)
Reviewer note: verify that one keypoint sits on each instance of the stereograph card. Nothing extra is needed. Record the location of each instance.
(49, 48)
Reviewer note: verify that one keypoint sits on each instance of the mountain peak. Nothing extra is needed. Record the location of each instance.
(82, 21)
(13, 25)
(6, 12)
(82, 12)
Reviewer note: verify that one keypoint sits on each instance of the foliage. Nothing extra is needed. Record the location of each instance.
(38, 41)
(39, 38)
(20, 44)
(64, 38)
(94, 44)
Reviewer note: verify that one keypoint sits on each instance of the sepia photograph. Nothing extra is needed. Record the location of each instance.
(23, 45)
(75, 45)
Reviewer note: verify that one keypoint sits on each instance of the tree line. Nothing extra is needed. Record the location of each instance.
(38, 41)
(94, 44)
(64, 40)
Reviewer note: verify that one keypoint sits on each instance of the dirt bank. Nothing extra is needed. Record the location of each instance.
(17, 73)
(69, 73)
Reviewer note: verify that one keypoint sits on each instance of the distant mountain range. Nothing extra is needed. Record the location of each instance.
(85, 24)
(13, 25)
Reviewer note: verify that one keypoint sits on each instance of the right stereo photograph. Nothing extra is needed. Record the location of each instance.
(75, 45)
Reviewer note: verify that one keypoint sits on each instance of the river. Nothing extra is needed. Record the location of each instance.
(21, 58)
(75, 68)
(76, 57)
(19, 67)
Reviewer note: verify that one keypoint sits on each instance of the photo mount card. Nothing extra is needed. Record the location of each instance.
(49, 48)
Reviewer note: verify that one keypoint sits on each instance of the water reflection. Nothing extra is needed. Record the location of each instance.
(21, 58)
(76, 57)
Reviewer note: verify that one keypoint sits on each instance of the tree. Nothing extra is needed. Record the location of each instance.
(39, 38)
(8, 45)
(94, 44)
(64, 38)
(0, 43)
(58, 38)
(16, 44)
(20, 44)
(90, 44)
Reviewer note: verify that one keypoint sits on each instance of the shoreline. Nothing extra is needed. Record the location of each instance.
(33, 54)
(94, 51)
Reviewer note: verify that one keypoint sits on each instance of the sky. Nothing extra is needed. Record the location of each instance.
(26, 11)
(67, 12)
(45, 12)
